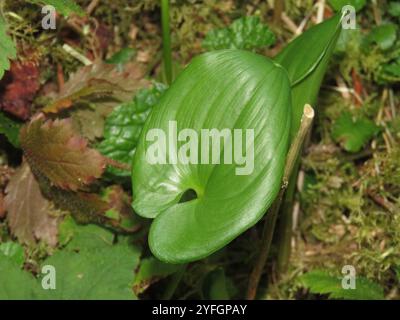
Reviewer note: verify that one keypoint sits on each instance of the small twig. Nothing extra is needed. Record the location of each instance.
(278, 9)
(383, 202)
(60, 77)
(71, 51)
(268, 231)
(270, 220)
(344, 90)
(321, 10)
(289, 23)
(14, 15)
(92, 5)
(306, 121)
(376, 12)
(303, 23)
(309, 15)
(117, 164)
(392, 105)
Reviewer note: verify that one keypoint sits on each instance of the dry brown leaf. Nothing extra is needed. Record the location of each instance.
(28, 212)
(5, 174)
(90, 122)
(19, 87)
(53, 149)
(99, 80)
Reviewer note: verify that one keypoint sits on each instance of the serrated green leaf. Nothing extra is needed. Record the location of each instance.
(14, 251)
(63, 7)
(10, 129)
(91, 236)
(16, 284)
(226, 89)
(394, 9)
(390, 72)
(7, 48)
(123, 56)
(306, 59)
(337, 5)
(106, 273)
(124, 124)
(244, 33)
(322, 282)
(384, 36)
(151, 270)
(353, 134)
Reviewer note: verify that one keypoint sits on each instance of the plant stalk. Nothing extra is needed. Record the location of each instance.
(285, 227)
(166, 36)
(270, 220)
(278, 9)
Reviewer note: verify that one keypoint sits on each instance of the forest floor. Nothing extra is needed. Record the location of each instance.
(347, 204)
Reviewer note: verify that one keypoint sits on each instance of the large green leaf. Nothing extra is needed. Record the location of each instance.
(14, 251)
(306, 59)
(89, 237)
(104, 273)
(16, 284)
(227, 89)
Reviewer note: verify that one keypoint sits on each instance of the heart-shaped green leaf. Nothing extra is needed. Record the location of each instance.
(227, 89)
(306, 59)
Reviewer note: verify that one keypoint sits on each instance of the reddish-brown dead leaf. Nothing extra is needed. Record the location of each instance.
(358, 87)
(119, 200)
(90, 122)
(53, 149)
(104, 36)
(28, 212)
(99, 79)
(19, 87)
